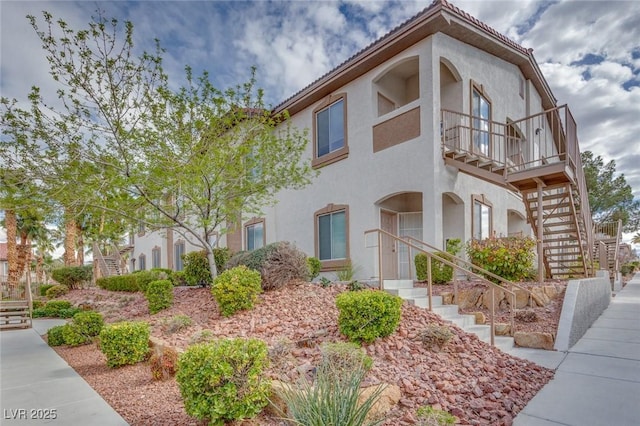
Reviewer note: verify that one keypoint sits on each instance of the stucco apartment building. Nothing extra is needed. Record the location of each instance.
(441, 129)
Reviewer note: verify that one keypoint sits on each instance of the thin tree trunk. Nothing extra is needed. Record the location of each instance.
(23, 251)
(11, 223)
(40, 268)
(80, 258)
(70, 241)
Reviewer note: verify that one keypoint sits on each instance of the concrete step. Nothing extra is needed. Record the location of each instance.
(504, 343)
(482, 331)
(396, 284)
(462, 321)
(423, 301)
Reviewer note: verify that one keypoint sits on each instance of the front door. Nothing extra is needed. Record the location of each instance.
(389, 223)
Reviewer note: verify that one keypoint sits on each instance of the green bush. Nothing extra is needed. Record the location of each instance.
(44, 288)
(160, 295)
(56, 309)
(333, 398)
(510, 258)
(366, 315)
(440, 273)
(429, 416)
(69, 312)
(221, 257)
(144, 278)
(119, 283)
(314, 265)
(236, 289)
(627, 268)
(125, 342)
(223, 380)
(54, 336)
(73, 337)
(56, 291)
(168, 272)
(196, 268)
(278, 263)
(35, 304)
(178, 278)
(72, 276)
(89, 323)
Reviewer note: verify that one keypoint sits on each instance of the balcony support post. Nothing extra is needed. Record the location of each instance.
(540, 236)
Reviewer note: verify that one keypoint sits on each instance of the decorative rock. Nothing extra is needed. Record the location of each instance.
(447, 298)
(551, 291)
(502, 329)
(522, 298)
(480, 318)
(539, 296)
(469, 298)
(387, 400)
(536, 340)
(277, 406)
(156, 342)
(486, 298)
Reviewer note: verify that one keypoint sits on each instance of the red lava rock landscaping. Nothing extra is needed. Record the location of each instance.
(474, 381)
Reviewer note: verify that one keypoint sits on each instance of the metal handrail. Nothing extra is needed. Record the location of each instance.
(431, 256)
(102, 264)
(473, 266)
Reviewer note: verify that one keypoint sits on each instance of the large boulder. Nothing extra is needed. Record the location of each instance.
(535, 339)
(539, 296)
(468, 299)
(522, 298)
(387, 400)
(487, 300)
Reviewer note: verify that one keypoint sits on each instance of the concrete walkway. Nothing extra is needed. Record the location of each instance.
(39, 387)
(597, 381)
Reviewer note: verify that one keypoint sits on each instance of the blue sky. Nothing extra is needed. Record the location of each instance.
(589, 51)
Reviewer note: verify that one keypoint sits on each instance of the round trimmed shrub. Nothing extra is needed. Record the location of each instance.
(54, 336)
(125, 342)
(73, 336)
(160, 295)
(366, 315)
(44, 288)
(89, 323)
(196, 268)
(56, 291)
(223, 380)
(236, 289)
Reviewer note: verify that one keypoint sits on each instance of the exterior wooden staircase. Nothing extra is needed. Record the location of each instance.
(564, 231)
(112, 263)
(539, 158)
(608, 237)
(15, 305)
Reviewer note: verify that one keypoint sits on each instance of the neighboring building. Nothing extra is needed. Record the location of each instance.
(441, 129)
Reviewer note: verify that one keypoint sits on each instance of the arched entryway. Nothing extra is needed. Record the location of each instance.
(400, 215)
(452, 218)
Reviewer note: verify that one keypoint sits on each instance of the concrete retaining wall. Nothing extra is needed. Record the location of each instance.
(584, 301)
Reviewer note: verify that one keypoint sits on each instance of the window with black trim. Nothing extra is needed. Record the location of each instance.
(178, 251)
(254, 235)
(482, 218)
(332, 236)
(155, 258)
(330, 131)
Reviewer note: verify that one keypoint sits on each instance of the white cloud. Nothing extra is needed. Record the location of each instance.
(294, 43)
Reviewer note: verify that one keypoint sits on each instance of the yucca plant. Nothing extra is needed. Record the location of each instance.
(331, 399)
